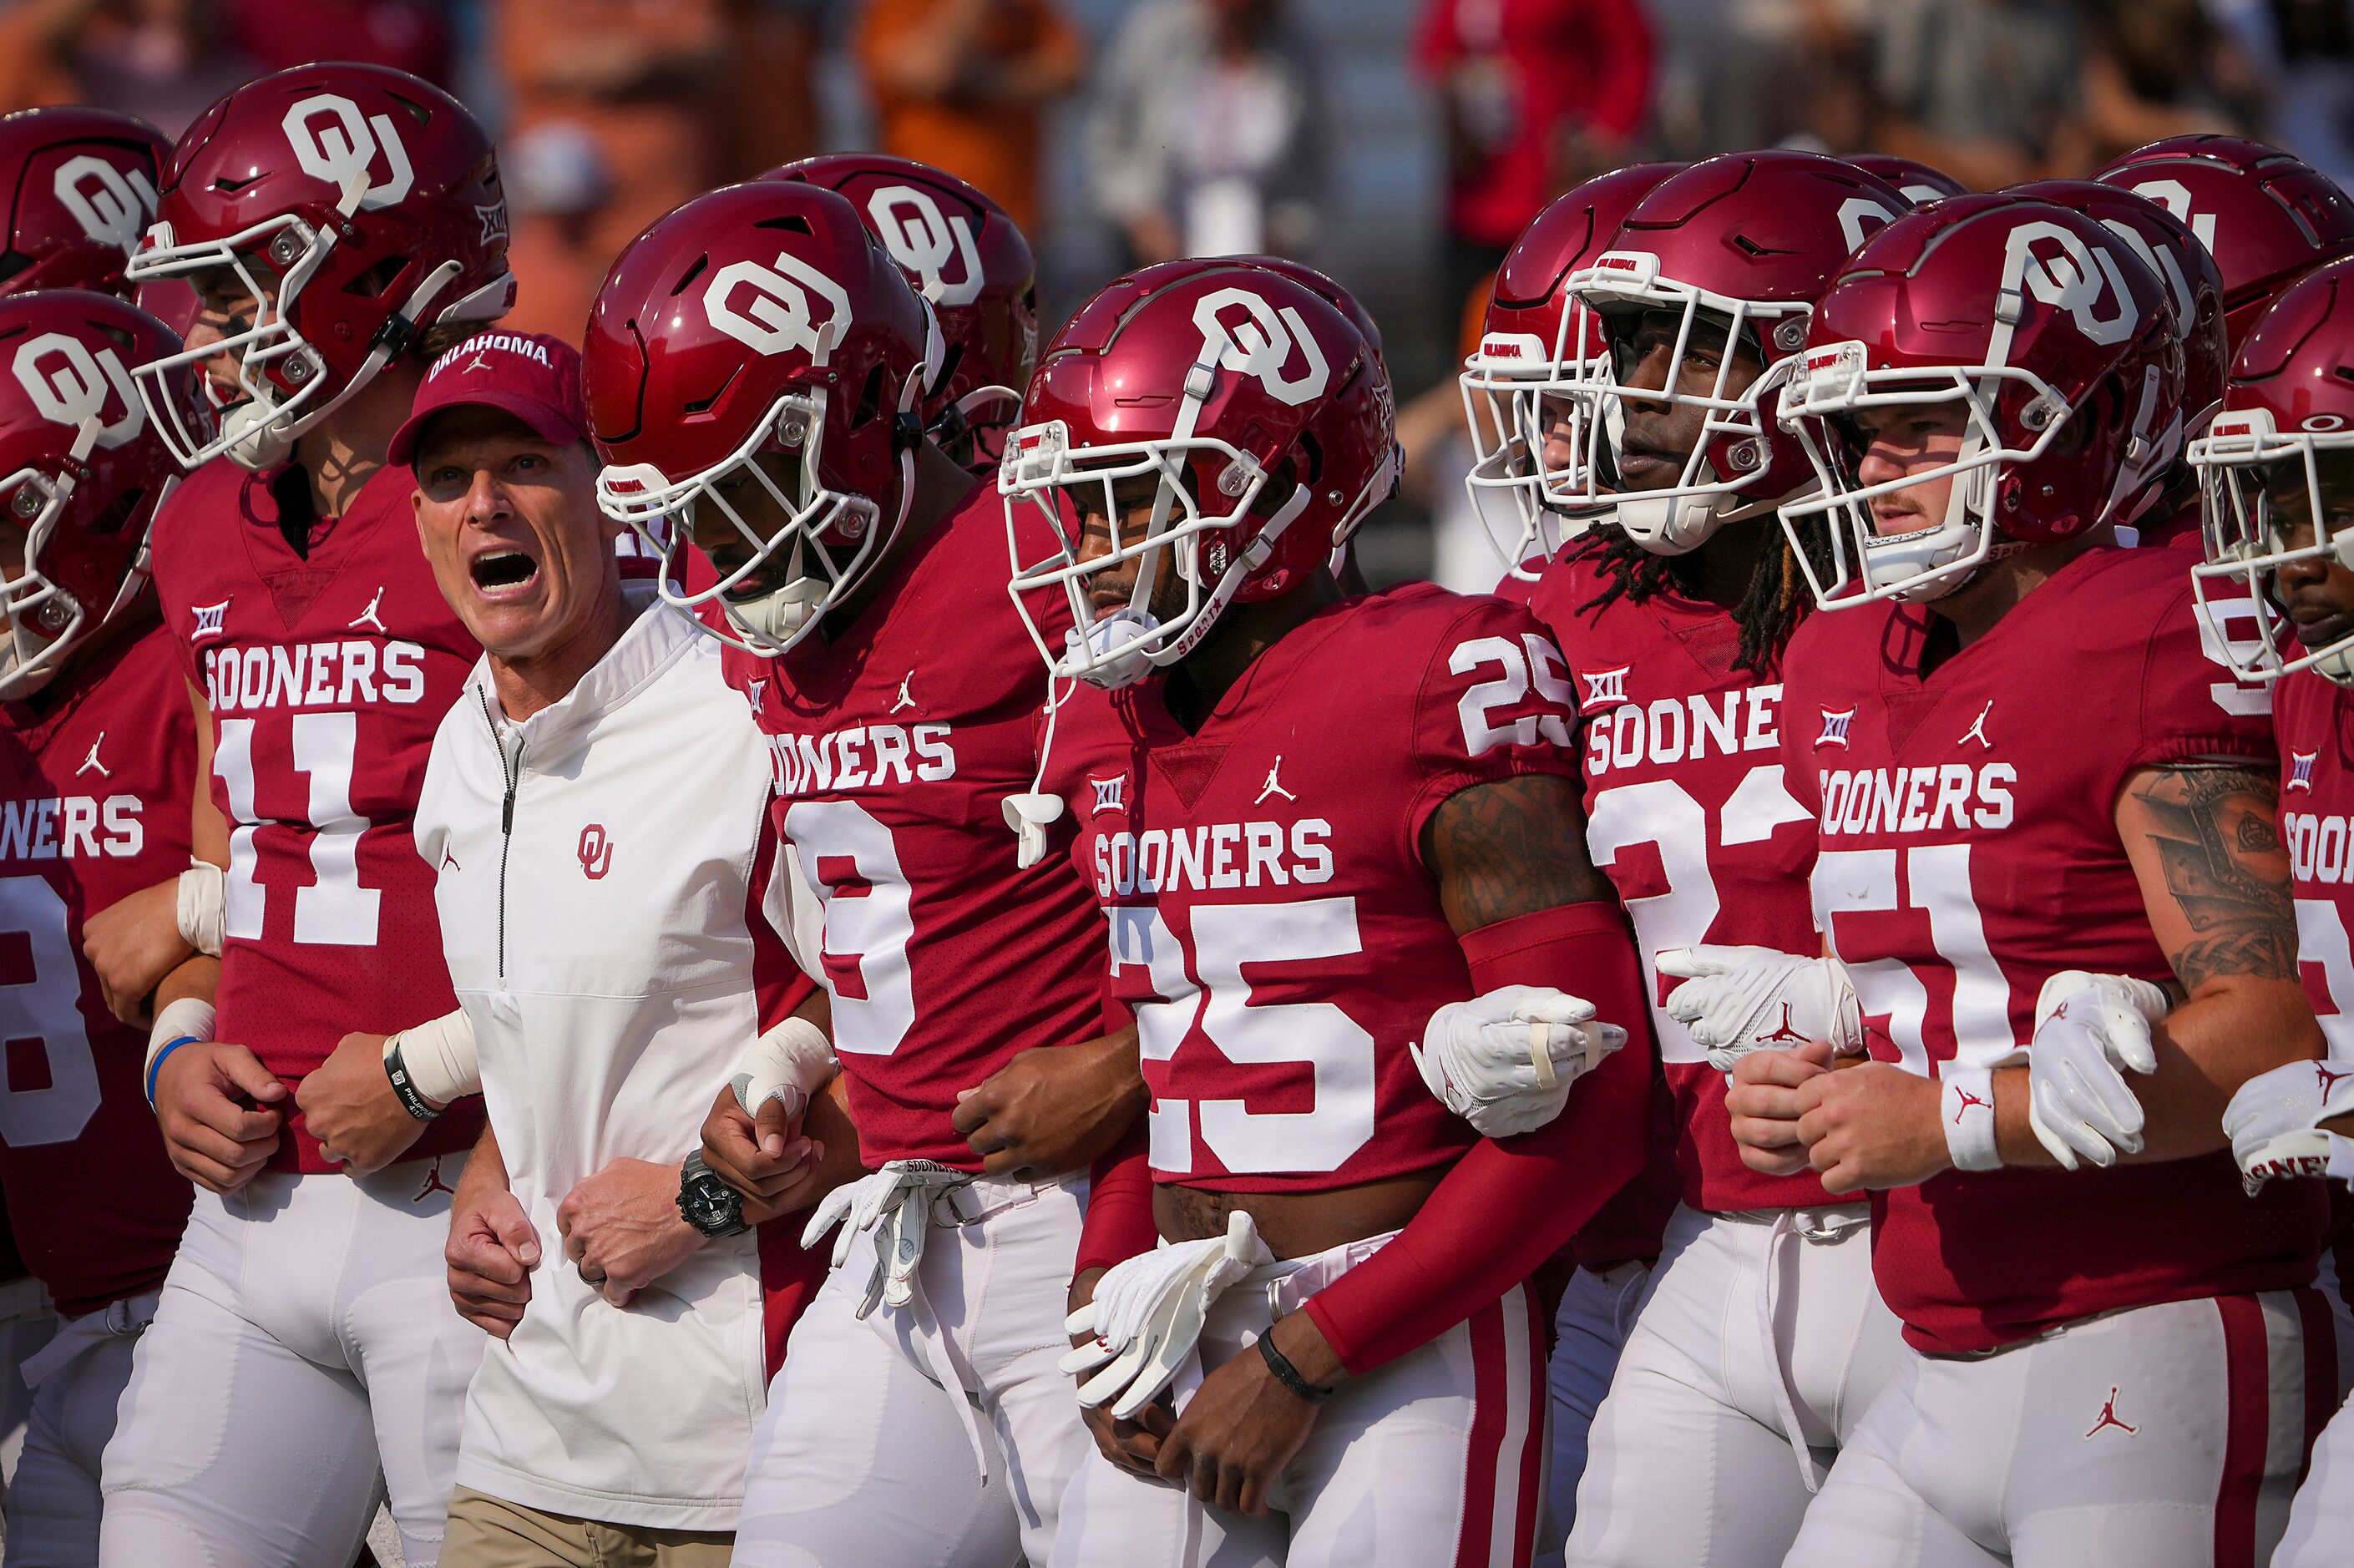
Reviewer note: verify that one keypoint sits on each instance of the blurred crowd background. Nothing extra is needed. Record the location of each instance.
(1399, 144)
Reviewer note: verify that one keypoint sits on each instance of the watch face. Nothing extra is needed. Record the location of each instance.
(711, 1204)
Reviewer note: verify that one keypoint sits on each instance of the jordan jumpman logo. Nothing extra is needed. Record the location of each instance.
(1273, 786)
(2109, 1418)
(433, 1182)
(1966, 1100)
(1784, 1032)
(92, 760)
(368, 617)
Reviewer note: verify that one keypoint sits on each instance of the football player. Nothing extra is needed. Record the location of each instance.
(1674, 637)
(2268, 216)
(971, 262)
(1538, 350)
(756, 369)
(343, 224)
(1330, 835)
(2048, 866)
(2279, 464)
(98, 751)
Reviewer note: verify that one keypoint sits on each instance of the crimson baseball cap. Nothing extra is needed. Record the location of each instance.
(530, 374)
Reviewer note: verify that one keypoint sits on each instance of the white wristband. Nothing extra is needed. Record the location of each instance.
(440, 1057)
(1966, 1104)
(189, 1018)
(203, 912)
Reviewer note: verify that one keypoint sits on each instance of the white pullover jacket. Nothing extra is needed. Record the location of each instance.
(597, 866)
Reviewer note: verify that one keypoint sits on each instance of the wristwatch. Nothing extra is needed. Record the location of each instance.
(713, 1207)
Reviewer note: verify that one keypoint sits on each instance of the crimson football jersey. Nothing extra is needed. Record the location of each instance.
(1968, 851)
(2313, 722)
(327, 675)
(1687, 814)
(894, 746)
(1273, 923)
(94, 806)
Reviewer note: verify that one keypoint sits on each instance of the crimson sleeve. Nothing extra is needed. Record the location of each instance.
(1119, 1223)
(1507, 1205)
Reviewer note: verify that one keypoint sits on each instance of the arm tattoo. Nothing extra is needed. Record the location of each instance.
(2224, 863)
(1509, 848)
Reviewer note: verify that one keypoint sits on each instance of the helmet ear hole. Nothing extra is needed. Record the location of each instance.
(870, 398)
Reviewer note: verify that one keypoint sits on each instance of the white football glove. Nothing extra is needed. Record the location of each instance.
(2090, 1032)
(899, 1198)
(788, 1063)
(2274, 1120)
(1739, 1000)
(1504, 1061)
(1148, 1313)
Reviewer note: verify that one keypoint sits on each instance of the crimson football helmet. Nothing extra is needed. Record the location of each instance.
(2173, 254)
(80, 188)
(1323, 287)
(2290, 402)
(1539, 348)
(2267, 216)
(1259, 417)
(1918, 183)
(1741, 246)
(760, 336)
(967, 256)
(84, 471)
(353, 206)
(2033, 319)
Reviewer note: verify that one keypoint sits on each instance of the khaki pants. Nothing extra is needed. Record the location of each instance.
(485, 1532)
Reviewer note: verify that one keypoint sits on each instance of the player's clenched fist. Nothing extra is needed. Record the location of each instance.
(214, 1141)
(1764, 1103)
(491, 1252)
(1872, 1127)
(348, 1104)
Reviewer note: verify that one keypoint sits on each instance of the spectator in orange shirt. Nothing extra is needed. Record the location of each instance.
(960, 84)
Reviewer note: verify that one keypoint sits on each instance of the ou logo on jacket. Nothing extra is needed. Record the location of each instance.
(336, 142)
(922, 240)
(596, 851)
(111, 204)
(2055, 265)
(69, 384)
(774, 316)
(1254, 338)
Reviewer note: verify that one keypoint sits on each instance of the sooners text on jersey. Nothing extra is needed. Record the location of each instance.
(895, 747)
(94, 807)
(1273, 923)
(327, 675)
(1968, 851)
(1687, 814)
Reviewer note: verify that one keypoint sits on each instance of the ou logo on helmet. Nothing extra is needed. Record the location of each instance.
(1250, 335)
(2054, 264)
(923, 241)
(111, 204)
(336, 142)
(775, 317)
(69, 384)
(2175, 197)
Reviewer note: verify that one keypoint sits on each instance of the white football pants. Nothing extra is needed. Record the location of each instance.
(1589, 1331)
(75, 1383)
(940, 1434)
(305, 1341)
(2160, 1436)
(1758, 1344)
(1435, 1460)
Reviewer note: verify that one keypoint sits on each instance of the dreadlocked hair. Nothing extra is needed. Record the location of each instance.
(1770, 606)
